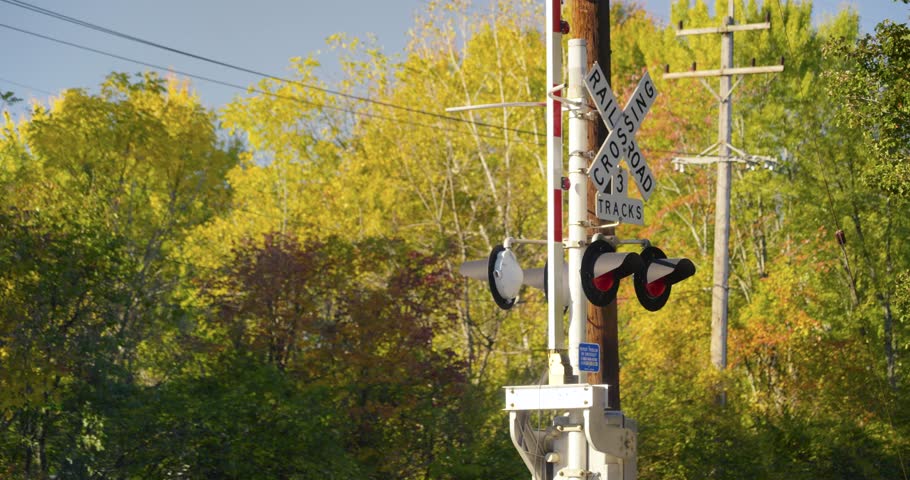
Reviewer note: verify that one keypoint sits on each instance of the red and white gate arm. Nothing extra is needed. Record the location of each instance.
(555, 274)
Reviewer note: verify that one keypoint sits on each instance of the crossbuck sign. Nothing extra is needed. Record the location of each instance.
(623, 124)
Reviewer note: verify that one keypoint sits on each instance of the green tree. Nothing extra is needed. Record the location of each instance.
(97, 190)
(870, 78)
(57, 312)
(360, 322)
(801, 323)
(381, 170)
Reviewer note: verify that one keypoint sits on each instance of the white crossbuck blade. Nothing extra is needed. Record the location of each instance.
(623, 125)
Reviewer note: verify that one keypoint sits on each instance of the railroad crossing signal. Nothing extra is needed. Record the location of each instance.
(505, 277)
(596, 443)
(623, 125)
(502, 273)
(658, 275)
(602, 267)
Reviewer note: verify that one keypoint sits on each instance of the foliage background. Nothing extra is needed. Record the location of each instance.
(271, 291)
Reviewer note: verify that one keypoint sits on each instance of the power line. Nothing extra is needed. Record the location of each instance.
(22, 85)
(232, 66)
(256, 90)
(264, 92)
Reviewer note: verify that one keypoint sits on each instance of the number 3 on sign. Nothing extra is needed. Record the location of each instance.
(619, 183)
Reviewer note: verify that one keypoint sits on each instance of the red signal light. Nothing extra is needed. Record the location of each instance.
(605, 282)
(602, 268)
(657, 288)
(659, 273)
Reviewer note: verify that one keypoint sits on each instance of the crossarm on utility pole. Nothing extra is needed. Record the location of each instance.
(724, 29)
(722, 72)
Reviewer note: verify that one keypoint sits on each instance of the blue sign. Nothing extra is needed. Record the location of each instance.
(589, 357)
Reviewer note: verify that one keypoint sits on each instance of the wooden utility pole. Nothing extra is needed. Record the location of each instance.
(720, 290)
(720, 293)
(590, 21)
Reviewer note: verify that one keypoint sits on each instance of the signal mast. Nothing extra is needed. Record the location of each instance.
(585, 438)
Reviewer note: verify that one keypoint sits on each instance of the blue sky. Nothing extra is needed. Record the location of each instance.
(260, 36)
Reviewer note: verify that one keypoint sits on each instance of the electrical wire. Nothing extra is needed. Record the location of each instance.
(263, 92)
(265, 75)
(272, 94)
(256, 90)
(98, 28)
(22, 85)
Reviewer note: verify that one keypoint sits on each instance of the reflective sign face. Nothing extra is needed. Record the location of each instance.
(603, 168)
(598, 86)
(623, 125)
(620, 208)
(639, 103)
